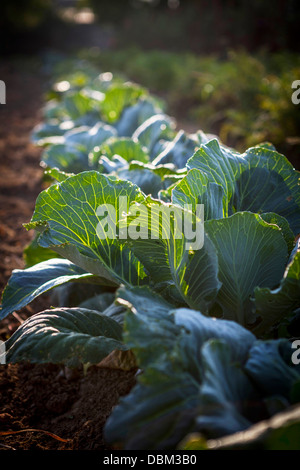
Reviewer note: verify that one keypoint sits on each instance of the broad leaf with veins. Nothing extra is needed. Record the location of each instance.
(65, 336)
(259, 180)
(251, 253)
(66, 216)
(273, 304)
(199, 375)
(168, 255)
(25, 285)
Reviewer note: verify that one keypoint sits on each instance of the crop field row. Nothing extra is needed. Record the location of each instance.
(203, 301)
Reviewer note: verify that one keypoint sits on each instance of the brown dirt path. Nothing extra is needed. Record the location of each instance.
(20, 173)
(73, 406)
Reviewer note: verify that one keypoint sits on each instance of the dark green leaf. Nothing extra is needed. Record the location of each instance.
(260, 180)
(65, 336)
(273, 304)
(25, 285)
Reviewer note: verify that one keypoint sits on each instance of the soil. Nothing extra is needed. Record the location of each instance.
(20, 174)
(46, 397)
(69, 404)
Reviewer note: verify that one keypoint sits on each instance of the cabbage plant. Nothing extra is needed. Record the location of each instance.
(200, 321)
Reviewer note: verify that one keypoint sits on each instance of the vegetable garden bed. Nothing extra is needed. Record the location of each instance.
(210, 328)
